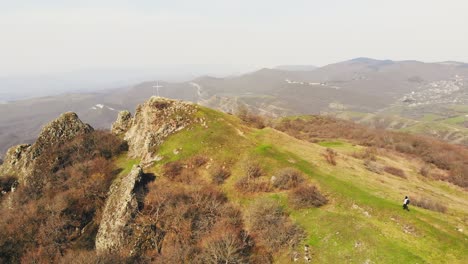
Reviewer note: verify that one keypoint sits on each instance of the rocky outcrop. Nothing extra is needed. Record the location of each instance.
(66, 127)
(21, 160)
(153, 122)
(120, 208)
(17, 161)
(123, 123)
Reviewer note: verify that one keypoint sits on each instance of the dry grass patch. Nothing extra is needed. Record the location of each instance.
(429, 204)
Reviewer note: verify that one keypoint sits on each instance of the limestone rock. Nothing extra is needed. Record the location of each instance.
(20, 160)
(120, 208)
(153, 122)
(64, 128)
(16, 160)
(123, 123)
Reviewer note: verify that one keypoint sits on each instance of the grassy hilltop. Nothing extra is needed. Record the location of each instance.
(219, 188)
(363, 221)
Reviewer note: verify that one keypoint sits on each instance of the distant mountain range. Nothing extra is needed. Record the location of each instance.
(296, 67)
(408, 89)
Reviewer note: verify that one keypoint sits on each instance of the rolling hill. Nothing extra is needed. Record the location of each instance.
(204, 173)
(406, 89)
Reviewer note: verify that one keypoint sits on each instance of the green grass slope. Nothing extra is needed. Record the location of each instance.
(363, 221)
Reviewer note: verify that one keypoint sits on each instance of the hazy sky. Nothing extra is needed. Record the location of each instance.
(59, 35)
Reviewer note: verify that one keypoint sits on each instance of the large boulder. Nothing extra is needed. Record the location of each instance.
(21, 160)
(120, 208)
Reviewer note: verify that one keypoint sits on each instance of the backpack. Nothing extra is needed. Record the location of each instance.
(408, 201)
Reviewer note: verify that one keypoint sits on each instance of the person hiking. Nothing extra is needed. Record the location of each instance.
(406, 202)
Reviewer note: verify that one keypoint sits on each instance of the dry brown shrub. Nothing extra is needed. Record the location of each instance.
(90, 257)
(197, 161)
(172, 170)
(307, 196)
(226, 244)
(272, 225)
(425, 170)
(373, 166)
(254, 120)
(330, 156)
(367, 154)
(404, 147)
(429, 204)
(255, 185)
(443, 155)
(219, 174)
(288, 178)
(64, 197)
(192, 223)
(261, 255)
(252, 169)
(395, 171)
(459, 175)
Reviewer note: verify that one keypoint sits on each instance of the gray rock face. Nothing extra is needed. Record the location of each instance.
(120, 208)
(66, 127)
(20, 160)
(153, 122)
(123, 123)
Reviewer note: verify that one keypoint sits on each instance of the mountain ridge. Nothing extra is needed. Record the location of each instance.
(215, 175)
(407, 88)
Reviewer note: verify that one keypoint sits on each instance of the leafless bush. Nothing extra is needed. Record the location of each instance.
(255, 185)
(287, 178)
(307, 196)
(272, 225)
(196, 224)
(404, 147)
(90, 257)
(261, 256)
(252, 169)
(219, 174)
(459, 175)
(330, 156)
(425, 170)
(243, 184)
(197, 161)
(172, 170)
(429, 204)
(226, 245)
(373, 166)
(367, 154)
(253, 119)
(395, 171)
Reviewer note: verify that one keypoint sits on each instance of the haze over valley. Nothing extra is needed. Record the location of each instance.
(405, 95)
